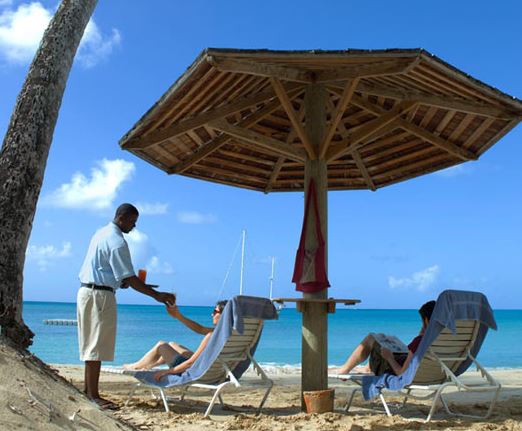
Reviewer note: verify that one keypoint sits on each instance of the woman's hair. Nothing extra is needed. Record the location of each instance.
(221, 305)
(427, 310)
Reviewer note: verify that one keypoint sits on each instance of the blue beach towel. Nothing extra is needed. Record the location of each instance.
(452, 305)
(235, 311)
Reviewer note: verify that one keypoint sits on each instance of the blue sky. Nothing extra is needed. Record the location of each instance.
(396, 247)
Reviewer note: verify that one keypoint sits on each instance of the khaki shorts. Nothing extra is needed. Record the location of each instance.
(96, 312)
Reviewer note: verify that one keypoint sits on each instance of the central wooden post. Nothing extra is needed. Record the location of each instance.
(314, 357)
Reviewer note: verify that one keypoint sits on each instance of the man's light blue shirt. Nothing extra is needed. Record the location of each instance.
(108, 259)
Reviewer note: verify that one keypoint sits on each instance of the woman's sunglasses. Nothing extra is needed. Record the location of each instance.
(216, 312)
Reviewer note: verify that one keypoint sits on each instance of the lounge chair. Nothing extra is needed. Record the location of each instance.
(229, 353)
(452, 340)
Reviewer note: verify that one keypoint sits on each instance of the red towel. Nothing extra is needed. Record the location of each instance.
(309, 271)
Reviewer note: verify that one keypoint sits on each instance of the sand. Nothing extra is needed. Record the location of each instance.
(282, 410)
(35, 398)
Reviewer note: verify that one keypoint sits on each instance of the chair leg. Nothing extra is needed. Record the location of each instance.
(350, 400)
(131, 393)
(406, 395)
(214, 398)
(164, 398)
(385, 404)
(488, 413)
(269, 388)
(438, 395)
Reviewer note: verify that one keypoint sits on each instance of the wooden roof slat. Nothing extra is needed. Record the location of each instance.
(360, 71)
(445, 102)
(478, 132)
(498, 135)
(221, 140)
(368, 129)
(215, 159)
(183, 126)
(257, 139)
(243, 156)
(448, 146)
(261, 69)
(162, 116)
(210, 102)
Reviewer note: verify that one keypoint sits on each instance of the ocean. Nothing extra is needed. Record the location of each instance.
(141, 326)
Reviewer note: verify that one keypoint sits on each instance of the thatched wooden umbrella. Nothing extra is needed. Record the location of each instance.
(272, 121)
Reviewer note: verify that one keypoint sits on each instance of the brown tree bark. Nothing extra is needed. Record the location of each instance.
(24, 154)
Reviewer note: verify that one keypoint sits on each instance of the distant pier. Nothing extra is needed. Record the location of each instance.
(62, 322)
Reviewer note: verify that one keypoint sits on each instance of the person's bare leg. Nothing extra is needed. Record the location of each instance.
(360, 354)
(92, 377)
(181, 350)
(160, 354)
(149, 360)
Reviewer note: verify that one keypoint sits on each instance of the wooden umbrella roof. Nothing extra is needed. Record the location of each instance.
(236, 117)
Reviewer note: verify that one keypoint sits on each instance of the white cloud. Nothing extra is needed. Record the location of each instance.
(143, 254)
(139, 247)
(94, 47)
(194, 217)
(95, 193)
(155, 265)
(156, 208)
(421, 280)
(454, 171)
(21, 31)
(44, 255)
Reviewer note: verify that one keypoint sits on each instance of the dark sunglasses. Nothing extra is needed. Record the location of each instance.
(216, 312)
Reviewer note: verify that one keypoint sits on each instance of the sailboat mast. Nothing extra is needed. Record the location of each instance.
(243, 233)
(272, 277)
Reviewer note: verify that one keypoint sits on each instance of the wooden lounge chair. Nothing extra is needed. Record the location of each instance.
(439, 369)
(234, 354)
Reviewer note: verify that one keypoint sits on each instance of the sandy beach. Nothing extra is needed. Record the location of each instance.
(282, 410)
(36, 397)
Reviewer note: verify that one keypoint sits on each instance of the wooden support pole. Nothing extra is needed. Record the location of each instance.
(314, 357)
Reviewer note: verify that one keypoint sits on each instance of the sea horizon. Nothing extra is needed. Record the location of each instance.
(141, 326)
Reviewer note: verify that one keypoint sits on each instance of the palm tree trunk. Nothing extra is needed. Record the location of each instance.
(24, 154)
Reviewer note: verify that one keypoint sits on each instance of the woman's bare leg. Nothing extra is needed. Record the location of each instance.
(360, 354)
(160, 354)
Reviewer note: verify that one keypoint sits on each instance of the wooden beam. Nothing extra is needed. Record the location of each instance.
(367, 70)
(219, 141)
(292, 116)
(440, 101)
(275, 172)
(367, 130)
(338, 114)
(362, 167)
(261, 69)
(444, 144)
(279, 164)
(161, 135)
(258, 139)
(420, 132)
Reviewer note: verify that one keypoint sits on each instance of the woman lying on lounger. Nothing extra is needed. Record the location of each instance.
(382, 360)
(176, 356)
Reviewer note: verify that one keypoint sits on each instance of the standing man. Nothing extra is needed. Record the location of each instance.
(107, 267)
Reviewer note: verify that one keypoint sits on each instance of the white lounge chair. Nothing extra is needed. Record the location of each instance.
(235, 353)
(439, 369)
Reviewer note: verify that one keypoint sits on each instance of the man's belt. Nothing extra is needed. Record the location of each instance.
(97, 287)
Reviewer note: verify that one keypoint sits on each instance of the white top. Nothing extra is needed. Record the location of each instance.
(108, 259)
